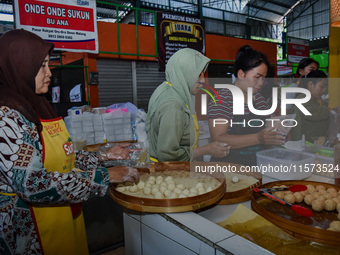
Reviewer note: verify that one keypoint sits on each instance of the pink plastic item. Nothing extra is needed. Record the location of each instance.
(113, 110)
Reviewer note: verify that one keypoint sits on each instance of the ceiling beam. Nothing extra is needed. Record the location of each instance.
(303, 9)
(277, 3)
(264, 9)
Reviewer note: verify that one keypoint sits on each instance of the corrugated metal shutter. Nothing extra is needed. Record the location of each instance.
(148, 78)
(115, 81)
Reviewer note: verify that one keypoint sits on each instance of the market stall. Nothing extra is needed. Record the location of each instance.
(171, 211)
(212, 228)
(192, 232)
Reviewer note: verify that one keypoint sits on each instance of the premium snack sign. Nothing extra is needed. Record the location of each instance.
(176, 32)
(70, 24)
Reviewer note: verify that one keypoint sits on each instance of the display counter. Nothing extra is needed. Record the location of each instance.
(190, 232)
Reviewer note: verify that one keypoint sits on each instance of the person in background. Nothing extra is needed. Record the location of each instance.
(305, 66)
(316, 124)
(171, 123)
(250, 70)
(42, 181)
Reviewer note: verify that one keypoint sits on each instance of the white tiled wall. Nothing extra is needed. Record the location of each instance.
(156, 243)
(132, 236)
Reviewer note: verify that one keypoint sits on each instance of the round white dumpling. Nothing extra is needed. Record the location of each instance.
(159, 181)
(308, 199)
(330, 205)
(121, 188)
(290, 198)
(192, 194)
(171, 181)
(165, 184)
(310, 188)
(193, 190)
(331, 190)
(235, 179)
(159, 195)
(318, 205)
(335, 225)
(141, 185)
(162, 189)
(152, 179)
(171, 186)
(173, 195)
(154, 191)
(180, 186)
(178, 191)
(182, 196)
(133, 188)
(167, 193)
(199, 185)
(201, 191)
(147, 190)
(298, 197)
(168, 178)
(186, 192)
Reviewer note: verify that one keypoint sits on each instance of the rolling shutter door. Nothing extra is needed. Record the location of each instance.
(148, 78)
(115, 81)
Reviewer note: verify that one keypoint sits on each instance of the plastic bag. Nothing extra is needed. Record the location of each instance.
(127, 107)
(279, 125)
(140, 126)
(128, 154)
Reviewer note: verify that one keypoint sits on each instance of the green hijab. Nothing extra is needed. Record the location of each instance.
(182, 71)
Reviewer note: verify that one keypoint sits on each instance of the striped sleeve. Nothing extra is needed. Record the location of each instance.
(223, 109)
(260, 102)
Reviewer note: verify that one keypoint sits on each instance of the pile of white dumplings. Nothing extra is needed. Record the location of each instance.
(169, 185)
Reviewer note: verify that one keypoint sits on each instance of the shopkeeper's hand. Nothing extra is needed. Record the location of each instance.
(270, 137)
(120, 174)
(218, 150)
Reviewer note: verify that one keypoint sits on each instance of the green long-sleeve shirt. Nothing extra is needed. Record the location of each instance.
(169, 139)
(311, 125)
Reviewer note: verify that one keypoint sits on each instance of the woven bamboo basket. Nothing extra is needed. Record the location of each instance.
(169, 205)
(313, 228)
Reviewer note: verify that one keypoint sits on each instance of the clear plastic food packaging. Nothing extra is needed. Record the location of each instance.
(129, 154)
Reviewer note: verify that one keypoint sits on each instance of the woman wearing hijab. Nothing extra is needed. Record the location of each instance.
(171, 123)
(41, 189)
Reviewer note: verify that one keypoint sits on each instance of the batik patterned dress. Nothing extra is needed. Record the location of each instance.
(25, 181)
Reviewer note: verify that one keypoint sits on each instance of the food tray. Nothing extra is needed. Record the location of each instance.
(298, 226)
(285, 164)
(168, 205)
(324, 161)
(241, 195)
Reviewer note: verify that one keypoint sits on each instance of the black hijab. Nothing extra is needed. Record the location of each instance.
(21, 56)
